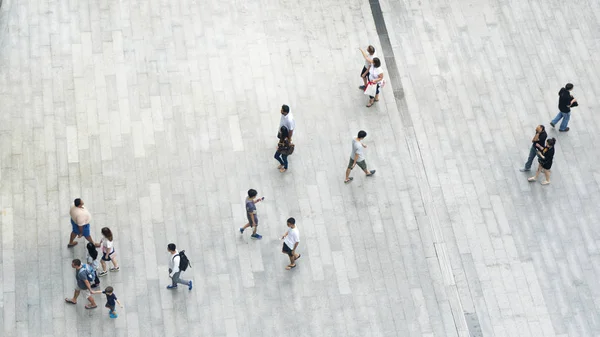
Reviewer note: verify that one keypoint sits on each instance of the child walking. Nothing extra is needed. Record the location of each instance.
(251, 202)
(92, 261)
(108, 251)
(111, 298)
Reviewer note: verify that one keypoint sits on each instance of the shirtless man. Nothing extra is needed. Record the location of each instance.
(80, 220)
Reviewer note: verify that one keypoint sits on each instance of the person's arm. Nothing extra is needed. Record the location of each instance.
(258, 200)
(355, 160)
(175, 266)
(295, 246)
(366, 55)
(540, 154)
(121, 305)
(87, 285)
(284, 235)
(378, 79)
(290, 133)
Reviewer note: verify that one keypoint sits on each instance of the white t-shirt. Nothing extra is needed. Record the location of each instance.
(357, 148)
(107, 246)
(287, 121)
(292, 237)
(367, 63)
(374, 73)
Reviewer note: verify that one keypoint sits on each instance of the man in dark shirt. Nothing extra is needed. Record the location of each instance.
(537, 143)
(565, 102)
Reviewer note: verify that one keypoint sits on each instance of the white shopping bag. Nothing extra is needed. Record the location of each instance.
(371, 89)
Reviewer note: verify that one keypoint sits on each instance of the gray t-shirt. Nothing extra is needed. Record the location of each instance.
(81, 275)
(251, 211)
(357, 148)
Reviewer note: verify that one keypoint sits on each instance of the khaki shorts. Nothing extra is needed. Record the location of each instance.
(86, 292)
(361, 164)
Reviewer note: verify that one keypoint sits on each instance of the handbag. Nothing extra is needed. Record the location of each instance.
(371, 89)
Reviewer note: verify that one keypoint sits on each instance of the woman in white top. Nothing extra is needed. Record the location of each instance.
(375, 76)
(108, 251)
(368, 55)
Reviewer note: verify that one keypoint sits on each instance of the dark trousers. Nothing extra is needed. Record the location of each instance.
(282, 159)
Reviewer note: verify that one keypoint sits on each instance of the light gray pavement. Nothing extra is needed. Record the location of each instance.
(161, 114)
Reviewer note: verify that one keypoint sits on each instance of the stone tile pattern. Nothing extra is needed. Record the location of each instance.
(162, 114)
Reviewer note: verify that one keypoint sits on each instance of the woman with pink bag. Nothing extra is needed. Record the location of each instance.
(375, 80)
(108, 251)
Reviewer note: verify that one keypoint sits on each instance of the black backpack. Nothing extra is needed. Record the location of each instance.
(184, 262)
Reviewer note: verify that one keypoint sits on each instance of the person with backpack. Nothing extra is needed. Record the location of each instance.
(178, 263)
(284, 148)
(92, 261)
(84, 278)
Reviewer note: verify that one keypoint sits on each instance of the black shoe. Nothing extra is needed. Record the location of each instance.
(552, 124)
(565, 130)
(371, 173)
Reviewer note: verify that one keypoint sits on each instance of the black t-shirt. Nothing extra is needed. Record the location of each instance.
(541, 139)
(564, 100)
(548, 153)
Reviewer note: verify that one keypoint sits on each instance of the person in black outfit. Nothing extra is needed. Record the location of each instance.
(565, 102)
(537, 142)
(545, 157)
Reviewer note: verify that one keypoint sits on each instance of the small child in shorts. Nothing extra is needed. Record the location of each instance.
(92, 260)
(111, 298)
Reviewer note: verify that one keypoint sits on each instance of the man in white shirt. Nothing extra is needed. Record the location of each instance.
(358, 157)
(290, 242)
(174, 271)
(287, 120)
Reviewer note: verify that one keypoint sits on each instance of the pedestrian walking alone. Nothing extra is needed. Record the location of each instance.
(357, 157)
(369, 55)
(83, 278)
(291, 239)
(537, 143)
(566, 101)
(545, 157)
(80, 222)
(251, 202)
(284, 149)
(178, 263)
(375, 78)
(287, 120)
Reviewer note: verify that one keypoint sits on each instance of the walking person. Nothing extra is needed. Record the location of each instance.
(291, 239)
(80, 222)
(111, 301)
(545, 157)
(284, 149)
(287, 120)
(369, 55)
(92, 261)
(357, 157)
(537, 143)
(375, 78)
(178, 263)
(566, 101)
(251, 202)
(83, 277)
(108, 251)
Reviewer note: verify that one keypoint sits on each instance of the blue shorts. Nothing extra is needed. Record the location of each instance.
(109, 255)
(86, 229)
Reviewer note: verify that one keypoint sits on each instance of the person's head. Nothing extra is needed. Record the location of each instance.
(252, 193)
(569, 86)
(283, 132)
(109, 290)
(171, 247)
(371, 49)
(362, 134)
(540, 128)
(291, 222)
(107, 233)
(376, 62)
(76, 263)
(92, 250)
(78, 202)
(551, 141)
(285, 109)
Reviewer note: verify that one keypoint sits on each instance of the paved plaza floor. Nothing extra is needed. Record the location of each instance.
(162, 114)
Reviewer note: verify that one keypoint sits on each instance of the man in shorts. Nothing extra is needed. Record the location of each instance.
(83, 284)
(80, 222)
(290, 242)
(251, 202)
(357, 157)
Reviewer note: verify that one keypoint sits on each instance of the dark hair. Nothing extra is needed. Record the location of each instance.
(107, 233)
(376, 62)
(171, 246)
(292, 221)
(77, 262)
(285, 108)
(92, 250)
(362, 134)
(252, 193)
(552, 141)
(371, 49)
(283, 132)
(77, 202)
(543, 127)
(109, 289)
(569, 86)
